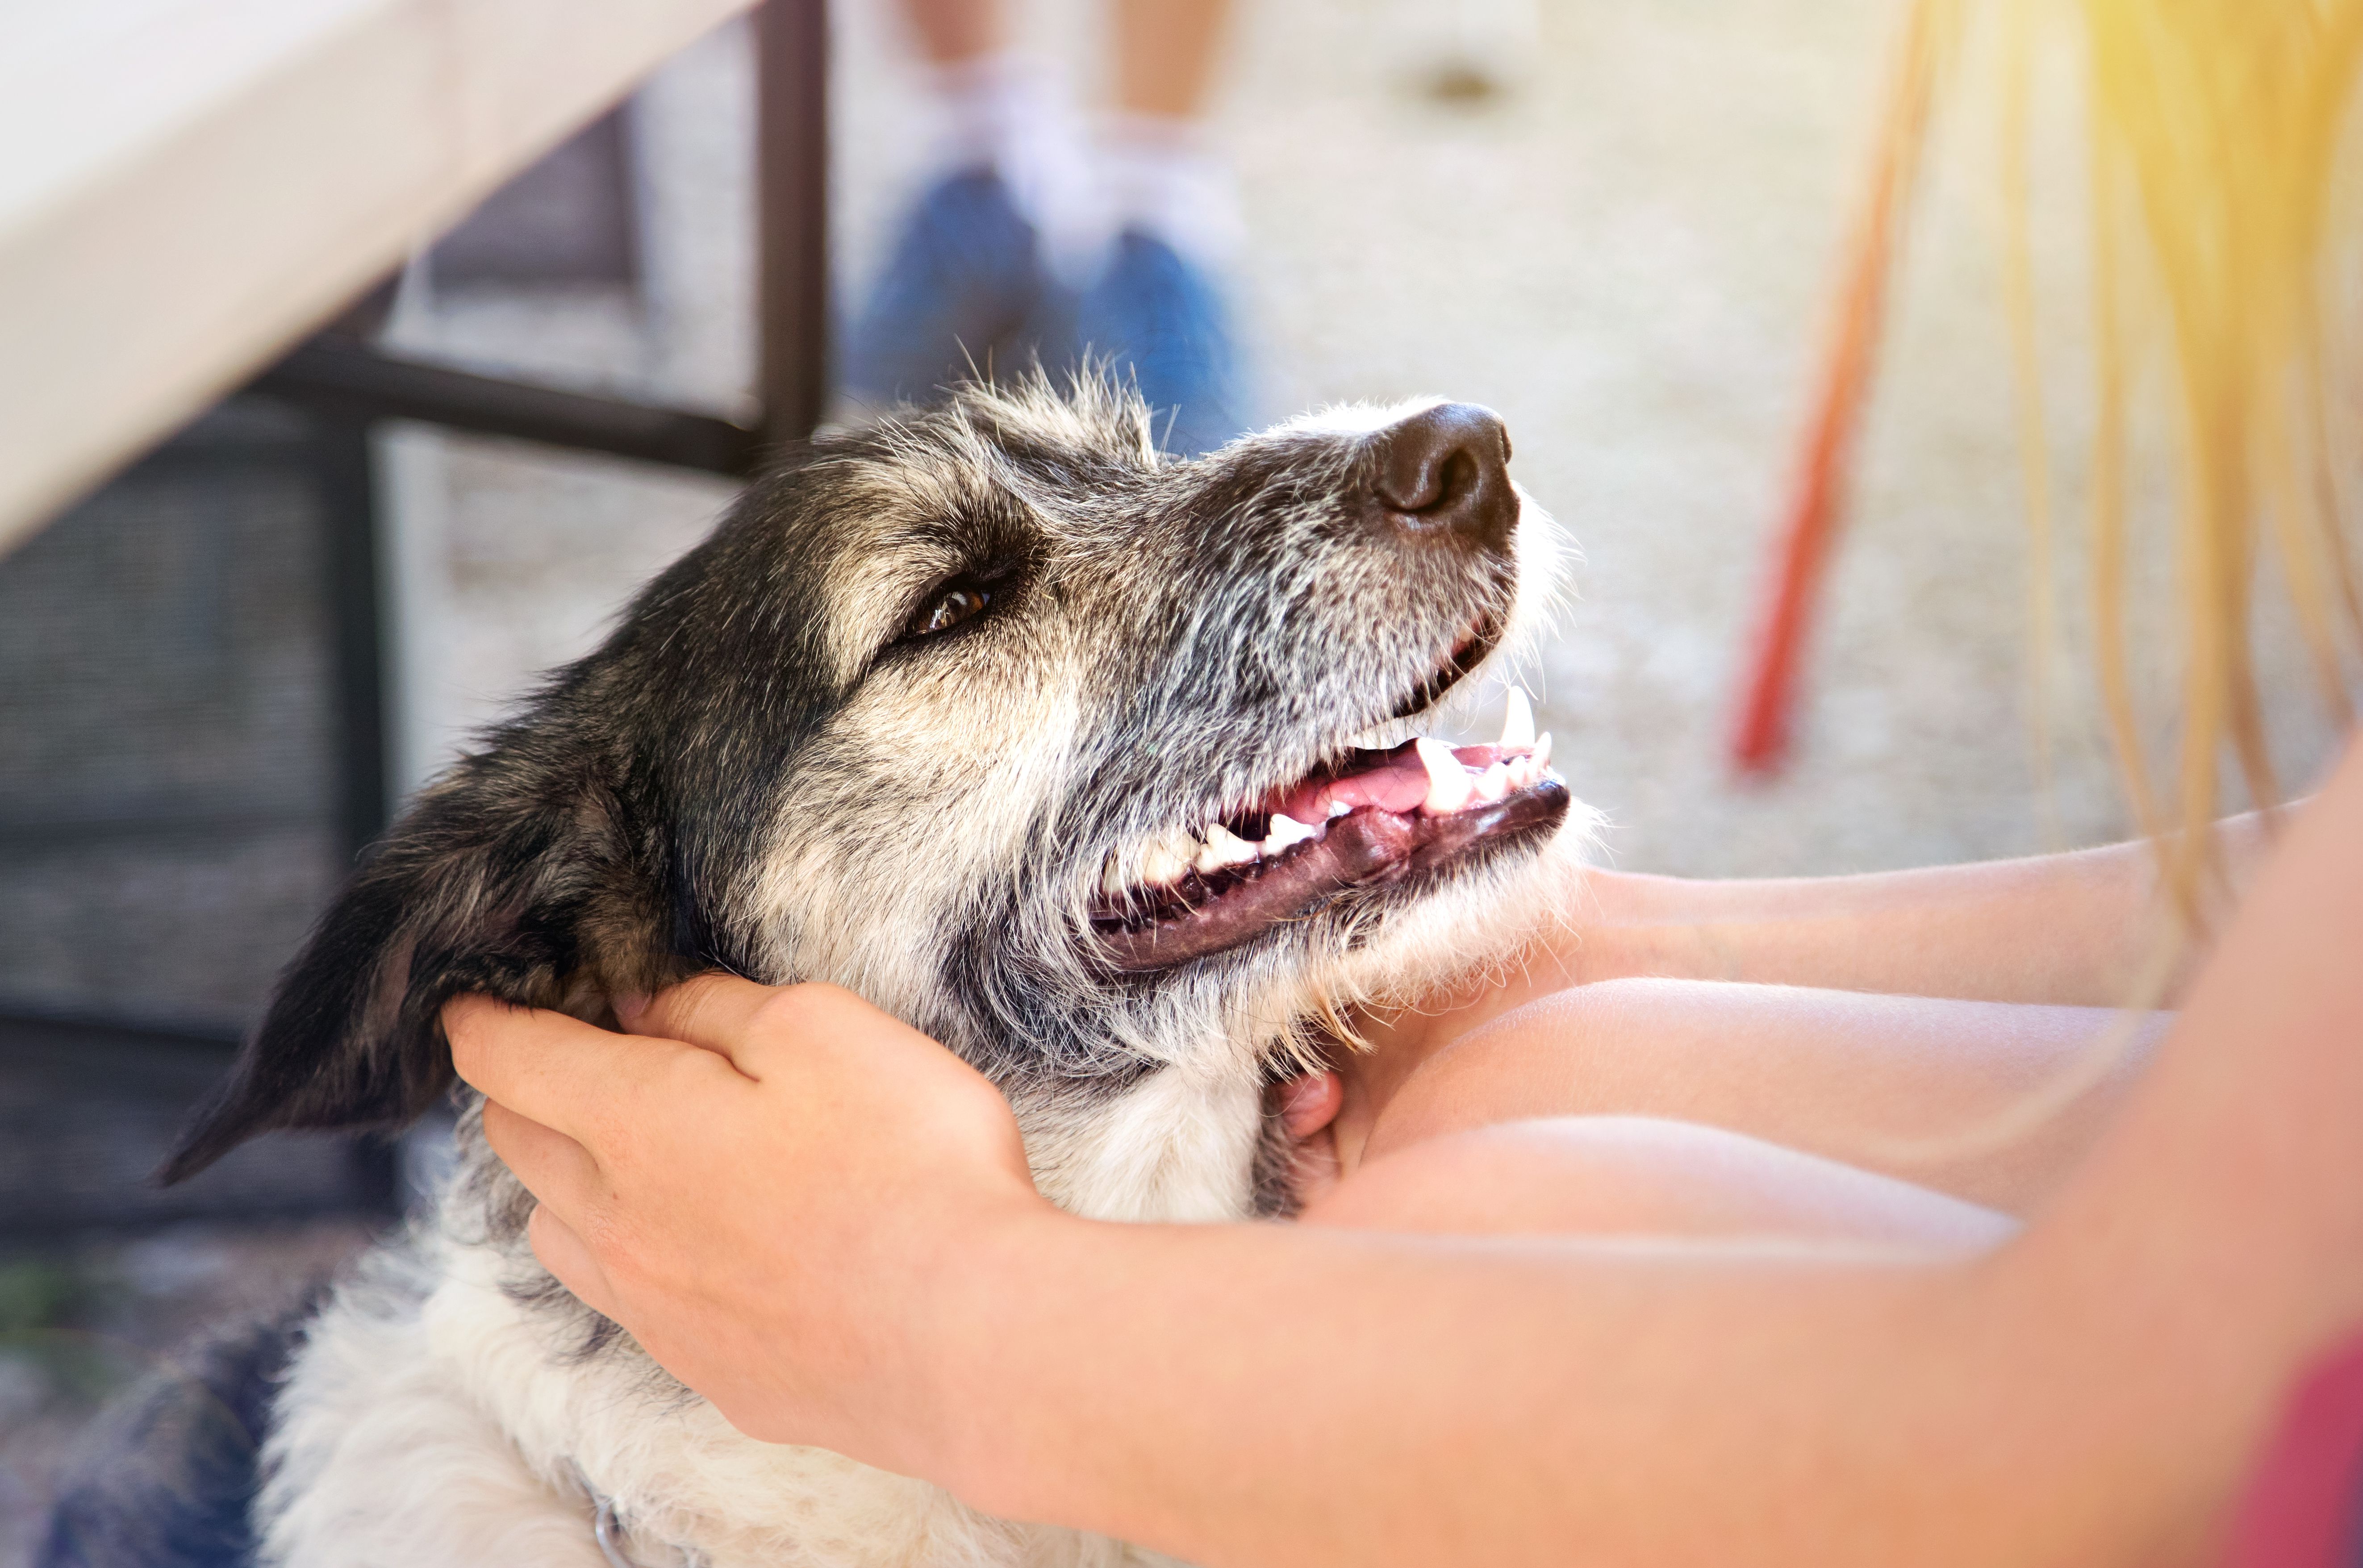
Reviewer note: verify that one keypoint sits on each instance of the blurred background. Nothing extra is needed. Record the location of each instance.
(1614, 223)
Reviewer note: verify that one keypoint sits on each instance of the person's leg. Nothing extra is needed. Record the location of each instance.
(1990, 1102)
(951, 31)
(969, 283)
(1157, 313)
(1165, 54)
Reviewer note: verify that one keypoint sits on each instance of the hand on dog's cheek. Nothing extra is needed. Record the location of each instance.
(554, 1168)
(551, 1165)
(565, 1254)
(772, 1190)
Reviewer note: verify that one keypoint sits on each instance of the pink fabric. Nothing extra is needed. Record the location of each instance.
(2304, 1503)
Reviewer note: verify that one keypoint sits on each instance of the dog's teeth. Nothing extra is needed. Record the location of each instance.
(1112, 879)
(1286, 834)
(1523, 773)
(1518, 721)
(1163, 864)
(1493, 783)
(1339, 808)
(1542, 754)
(1223, 849)
(1449, 784)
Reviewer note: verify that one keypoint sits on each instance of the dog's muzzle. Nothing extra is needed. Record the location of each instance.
(1371, 818)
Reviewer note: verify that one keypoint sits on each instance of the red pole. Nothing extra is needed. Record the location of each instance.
(1816, 502)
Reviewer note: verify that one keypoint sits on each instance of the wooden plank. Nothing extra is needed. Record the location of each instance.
(193, 184)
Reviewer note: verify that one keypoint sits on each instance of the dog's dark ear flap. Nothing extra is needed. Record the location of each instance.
(482, 888)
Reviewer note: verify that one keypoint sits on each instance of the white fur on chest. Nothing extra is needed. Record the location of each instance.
(433, 1421)
(1179, 1147)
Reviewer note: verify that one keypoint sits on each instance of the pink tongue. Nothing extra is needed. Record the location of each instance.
(1398, 784)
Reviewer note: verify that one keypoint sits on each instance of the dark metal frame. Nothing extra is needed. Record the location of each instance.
(347, 386)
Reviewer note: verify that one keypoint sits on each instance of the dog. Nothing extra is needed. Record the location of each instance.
(1094, 764)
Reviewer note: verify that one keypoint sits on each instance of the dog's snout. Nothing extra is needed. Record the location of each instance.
(1445, 473)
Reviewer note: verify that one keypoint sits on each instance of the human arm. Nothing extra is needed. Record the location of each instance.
(2081, 929)
(946, 1323)
(1251, 1394)
(1995, 1103)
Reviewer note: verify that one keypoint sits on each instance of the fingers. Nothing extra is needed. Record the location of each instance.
(563, 1253)
(556, 1070)
(554, 1167)
(746, 1022)
(1309, 1102)
(1313, 1171)
(714, 1011)
(1307, 1105)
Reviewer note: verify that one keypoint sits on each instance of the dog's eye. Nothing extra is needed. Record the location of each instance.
(958, 602)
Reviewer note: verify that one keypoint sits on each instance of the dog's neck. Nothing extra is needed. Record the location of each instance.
(607, 1533)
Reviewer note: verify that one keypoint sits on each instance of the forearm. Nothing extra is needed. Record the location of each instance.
(1252, 1395)
(2066, 929)
(2083, 929)
(1994, 1102)
(2079, 929)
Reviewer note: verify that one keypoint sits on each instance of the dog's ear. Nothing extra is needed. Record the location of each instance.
(519, 888)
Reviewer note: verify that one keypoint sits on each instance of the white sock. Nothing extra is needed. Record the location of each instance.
(1162, 176)
(1006, 112)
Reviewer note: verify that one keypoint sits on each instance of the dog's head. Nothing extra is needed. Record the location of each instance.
(1057, 749)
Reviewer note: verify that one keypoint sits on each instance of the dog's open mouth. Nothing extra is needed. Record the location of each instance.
(1374, 817)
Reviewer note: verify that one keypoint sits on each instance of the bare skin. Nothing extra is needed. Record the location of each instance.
(1931, 1092)
(2085, 1392)
(1759, 1007)
(2076, 930)
(1166, 50)
(950, 32)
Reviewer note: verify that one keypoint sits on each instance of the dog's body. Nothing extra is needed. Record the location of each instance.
(921, 719)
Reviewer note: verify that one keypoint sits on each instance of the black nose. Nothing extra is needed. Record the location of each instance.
(1445, 474)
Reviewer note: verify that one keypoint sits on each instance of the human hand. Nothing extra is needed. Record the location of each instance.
(1307, 1107)
(1328, 1115)
(1602, 934)
(770, 1188)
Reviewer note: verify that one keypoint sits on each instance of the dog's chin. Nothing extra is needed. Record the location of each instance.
(1382, 826)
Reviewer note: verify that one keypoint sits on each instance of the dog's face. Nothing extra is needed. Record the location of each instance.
(1043, 743)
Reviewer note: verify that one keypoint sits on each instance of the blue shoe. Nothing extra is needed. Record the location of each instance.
(961, 284)
(1157, 318)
